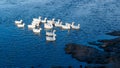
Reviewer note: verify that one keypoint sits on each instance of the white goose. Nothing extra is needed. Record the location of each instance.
(51, 33)
(44, 21)
(66, 26)
(51, 21)
(48, 26)
(58, 23)
(35, 30)
(75, 27)
(35, 23)
(19, 22)
(51, 38)
(21, 25)
(31, 26)
(37, 19)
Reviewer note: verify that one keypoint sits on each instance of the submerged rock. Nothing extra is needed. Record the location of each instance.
(112, 45)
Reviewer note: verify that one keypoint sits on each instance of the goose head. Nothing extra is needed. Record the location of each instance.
(46, 18)
(53, 19)
(66, 23)
(78, 25)
(40, 17)
(21, 20)
(40, 28)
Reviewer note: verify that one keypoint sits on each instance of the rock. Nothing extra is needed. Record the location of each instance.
(114, 33)
(110, 55)
(112, 45)
(95, 43)
(87, 54)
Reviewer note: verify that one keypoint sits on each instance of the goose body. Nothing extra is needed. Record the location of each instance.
(48, 26)
(37, 23)
(66, 26)
(75, 27)
(37, 30)
(44, 21)
(21, 25)
(37, 19)
(51, 21)
(19, 22)
(31, 26)
(51, 38)
(58, 23)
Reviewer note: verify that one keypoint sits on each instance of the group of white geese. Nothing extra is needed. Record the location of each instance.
(48, 24)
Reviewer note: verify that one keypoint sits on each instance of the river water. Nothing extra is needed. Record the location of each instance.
(20, 47)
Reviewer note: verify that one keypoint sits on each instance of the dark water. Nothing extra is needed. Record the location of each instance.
(23, 48)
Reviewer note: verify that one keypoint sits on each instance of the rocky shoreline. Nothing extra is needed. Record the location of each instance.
(90, 55)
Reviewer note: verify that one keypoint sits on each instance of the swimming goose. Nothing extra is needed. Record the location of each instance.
(37, 19)
(48, 26)
(18, 22)
(51, 33)
(58, 23)
(44, 21)
(51, 21)
(21, 25)
(51, 38)
(35, 30)
(75, 27)
(66, 26)
(31, 26)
